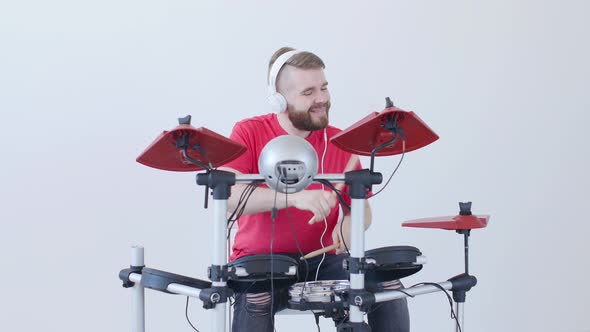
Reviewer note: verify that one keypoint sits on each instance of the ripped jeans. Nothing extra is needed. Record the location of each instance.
(252, 310)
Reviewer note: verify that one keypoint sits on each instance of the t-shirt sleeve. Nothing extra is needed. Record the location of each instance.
(244, 163)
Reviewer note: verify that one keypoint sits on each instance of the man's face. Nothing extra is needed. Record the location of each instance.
(308, 99)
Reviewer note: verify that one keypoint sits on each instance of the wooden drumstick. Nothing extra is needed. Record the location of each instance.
(349, 167)
(321, 251)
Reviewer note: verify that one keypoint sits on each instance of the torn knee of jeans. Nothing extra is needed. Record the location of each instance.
(390, 285)
(258, 298)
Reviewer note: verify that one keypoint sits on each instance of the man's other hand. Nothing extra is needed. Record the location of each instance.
(318, 202)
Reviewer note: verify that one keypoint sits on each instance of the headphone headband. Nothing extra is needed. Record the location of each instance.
(276, 68)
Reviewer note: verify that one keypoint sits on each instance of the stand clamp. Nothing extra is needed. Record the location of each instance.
(124, 275)
(221, 273)
(214, 295)
(360, 181)
(462, 283)
(356, 265)
(357, 297)
(219, 181)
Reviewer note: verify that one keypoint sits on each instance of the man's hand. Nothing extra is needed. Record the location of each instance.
(318, 202)
(337, 239)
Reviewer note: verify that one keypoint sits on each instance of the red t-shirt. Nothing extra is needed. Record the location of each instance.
(254, 230)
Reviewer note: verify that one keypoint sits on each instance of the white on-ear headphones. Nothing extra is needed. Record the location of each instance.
(275, 99)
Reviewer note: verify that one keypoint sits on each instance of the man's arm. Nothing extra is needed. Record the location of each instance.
(318, 202)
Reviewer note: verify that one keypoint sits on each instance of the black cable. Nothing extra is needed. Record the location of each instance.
(401, 291)
(186, 314)
(244, 196)
(344, 204)
(199, 148)
(453, 315)
(317, 321)
(394, 171)
(381, 147)
(240, 201)
(342, 236)
(294, 232)
(377, 305)
(338, 193)
(193, 161)
(241, 206)
(237, 297)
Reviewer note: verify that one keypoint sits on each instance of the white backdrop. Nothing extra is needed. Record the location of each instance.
(86, 86)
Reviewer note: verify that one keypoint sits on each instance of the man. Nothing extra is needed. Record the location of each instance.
(299, 92)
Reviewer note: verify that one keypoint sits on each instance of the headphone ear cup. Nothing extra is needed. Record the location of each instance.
(277, 102)
(282, 102)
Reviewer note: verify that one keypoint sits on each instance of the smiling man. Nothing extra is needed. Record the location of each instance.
(299, 95)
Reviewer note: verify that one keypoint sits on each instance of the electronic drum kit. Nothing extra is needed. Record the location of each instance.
(390, 132)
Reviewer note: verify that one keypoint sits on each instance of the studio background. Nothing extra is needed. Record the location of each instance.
(85, 86)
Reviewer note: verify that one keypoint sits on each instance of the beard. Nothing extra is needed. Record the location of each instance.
(303, 120)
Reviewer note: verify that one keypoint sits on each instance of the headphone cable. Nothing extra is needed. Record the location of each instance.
(317, 271)
(394, 171)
